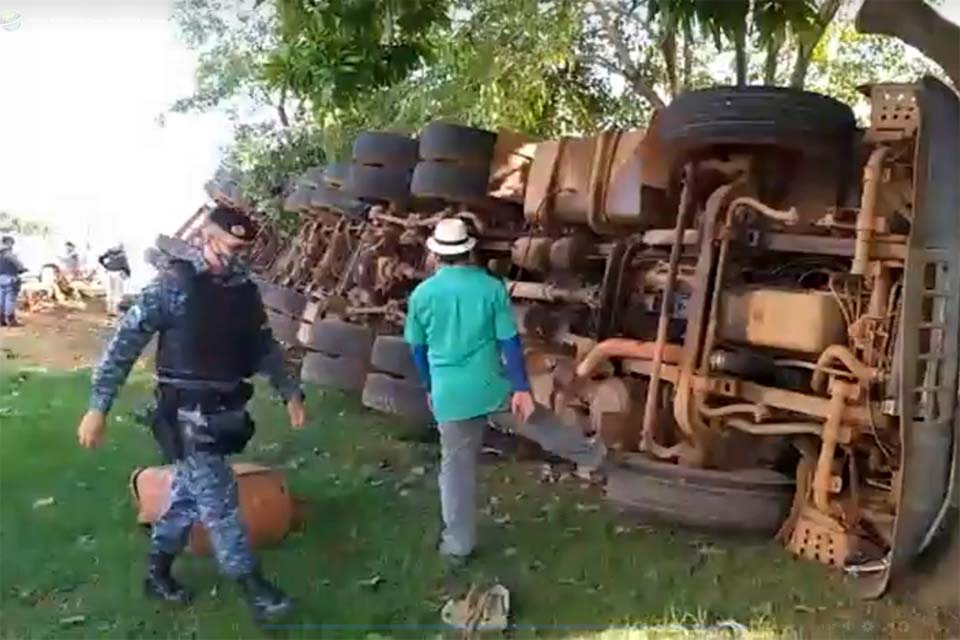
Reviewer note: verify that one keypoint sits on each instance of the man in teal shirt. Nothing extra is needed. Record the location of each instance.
(464, 340)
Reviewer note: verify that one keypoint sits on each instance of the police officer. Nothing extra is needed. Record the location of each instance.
(10, 270)
(212, 337)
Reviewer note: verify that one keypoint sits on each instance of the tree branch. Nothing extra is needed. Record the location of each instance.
(282, 107)
(625, 66)
(772, 57)
(807, 42)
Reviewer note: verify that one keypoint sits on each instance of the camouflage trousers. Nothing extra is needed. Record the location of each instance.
(205, 490)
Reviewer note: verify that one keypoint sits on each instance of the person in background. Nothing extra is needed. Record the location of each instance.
(459, 325)
(115, 263)
(213, 336)
(70, 261)
(10, 270)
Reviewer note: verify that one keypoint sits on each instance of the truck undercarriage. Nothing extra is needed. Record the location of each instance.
(754, 301)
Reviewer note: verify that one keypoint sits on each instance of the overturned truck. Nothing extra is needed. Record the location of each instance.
(755, 301)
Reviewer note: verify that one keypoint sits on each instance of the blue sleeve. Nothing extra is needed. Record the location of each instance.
(420, 361)
(145, 317)
(516, 368)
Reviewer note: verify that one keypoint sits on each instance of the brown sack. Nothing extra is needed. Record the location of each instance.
(265, 503)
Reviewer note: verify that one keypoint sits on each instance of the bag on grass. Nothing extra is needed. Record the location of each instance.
(266, 506)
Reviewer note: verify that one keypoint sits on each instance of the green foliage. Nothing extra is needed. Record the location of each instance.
(265, 158)
(10, 223)
(845, 59)
(333, 52)
(233, 39)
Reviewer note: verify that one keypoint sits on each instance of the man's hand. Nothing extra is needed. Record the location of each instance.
(522, 405)
(92, 428)
(297, 411)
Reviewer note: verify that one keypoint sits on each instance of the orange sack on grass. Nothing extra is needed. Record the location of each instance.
(266, 506)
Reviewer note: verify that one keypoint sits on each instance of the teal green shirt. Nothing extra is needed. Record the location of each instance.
(459, 314)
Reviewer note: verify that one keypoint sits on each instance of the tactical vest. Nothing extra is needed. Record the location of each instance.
(8, 266)
(219, 335)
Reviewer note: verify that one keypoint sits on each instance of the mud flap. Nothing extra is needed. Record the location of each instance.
(928, 359)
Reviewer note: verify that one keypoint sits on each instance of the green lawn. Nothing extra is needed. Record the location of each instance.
(364, 564)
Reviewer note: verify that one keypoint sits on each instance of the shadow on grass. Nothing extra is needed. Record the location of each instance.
(364, 564)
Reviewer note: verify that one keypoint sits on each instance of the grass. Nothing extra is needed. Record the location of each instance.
(364, 564)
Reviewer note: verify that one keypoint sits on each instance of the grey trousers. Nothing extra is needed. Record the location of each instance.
(460, 444)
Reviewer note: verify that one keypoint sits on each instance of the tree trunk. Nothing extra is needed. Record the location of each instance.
(669, 49)
(740, 42)
(807, 42)
(282, 108)
(773, 55)
(687, 60)
(917, 24)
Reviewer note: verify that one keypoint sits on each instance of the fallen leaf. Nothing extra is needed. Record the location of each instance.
(72, 620)
(42, 502)
(509, 552)
(372, 582)
(418, 471)
(802, 608)
(404, 493)
(586, 507)
(620, 530)
(502, 520)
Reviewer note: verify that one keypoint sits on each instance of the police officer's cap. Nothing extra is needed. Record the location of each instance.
(235, 223)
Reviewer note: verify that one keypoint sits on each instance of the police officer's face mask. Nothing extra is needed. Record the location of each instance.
(230, 258)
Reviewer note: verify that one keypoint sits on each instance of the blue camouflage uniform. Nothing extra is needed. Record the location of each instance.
(203, 488)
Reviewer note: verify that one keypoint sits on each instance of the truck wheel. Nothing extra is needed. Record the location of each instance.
(283, 327)
(338, 338)
(327, 197)
(456, 143)
(379, 183)
(335, 372)
(391, 354)
(756, 115)
(335, 175)
(287, 301)
(385, 149)
(396, 396)
(449, 182)
(298, 200)
(746, 501)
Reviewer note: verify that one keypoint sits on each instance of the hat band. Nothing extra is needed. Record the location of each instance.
(451, 243)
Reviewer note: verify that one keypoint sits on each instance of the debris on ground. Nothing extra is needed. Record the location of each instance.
(43, 502)
(480, 611)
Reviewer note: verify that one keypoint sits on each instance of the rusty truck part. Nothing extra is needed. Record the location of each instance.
(710, 296)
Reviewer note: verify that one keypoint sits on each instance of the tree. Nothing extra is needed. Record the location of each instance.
(10, 223)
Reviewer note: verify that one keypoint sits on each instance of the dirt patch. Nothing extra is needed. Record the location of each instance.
(57, 338)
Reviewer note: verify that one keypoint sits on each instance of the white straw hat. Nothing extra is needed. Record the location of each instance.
(450, 237)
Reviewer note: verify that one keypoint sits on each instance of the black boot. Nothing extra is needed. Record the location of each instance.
(266, 600)
(12, 321)
(159, 583)
(3, 321)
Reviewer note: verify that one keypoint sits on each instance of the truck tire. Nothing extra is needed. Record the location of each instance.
(391, 354)
(756, 116)
(338, 338)
(336, 175)
(396, 396)
(379, 183)
(327, 197)
(284, 328)
(298, 200)
(334, 372)
(287, 301)
(456, 143)
(449, 182)
(746, 501)
(393, 150)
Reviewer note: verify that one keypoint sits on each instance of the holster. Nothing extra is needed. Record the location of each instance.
(188, 421)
